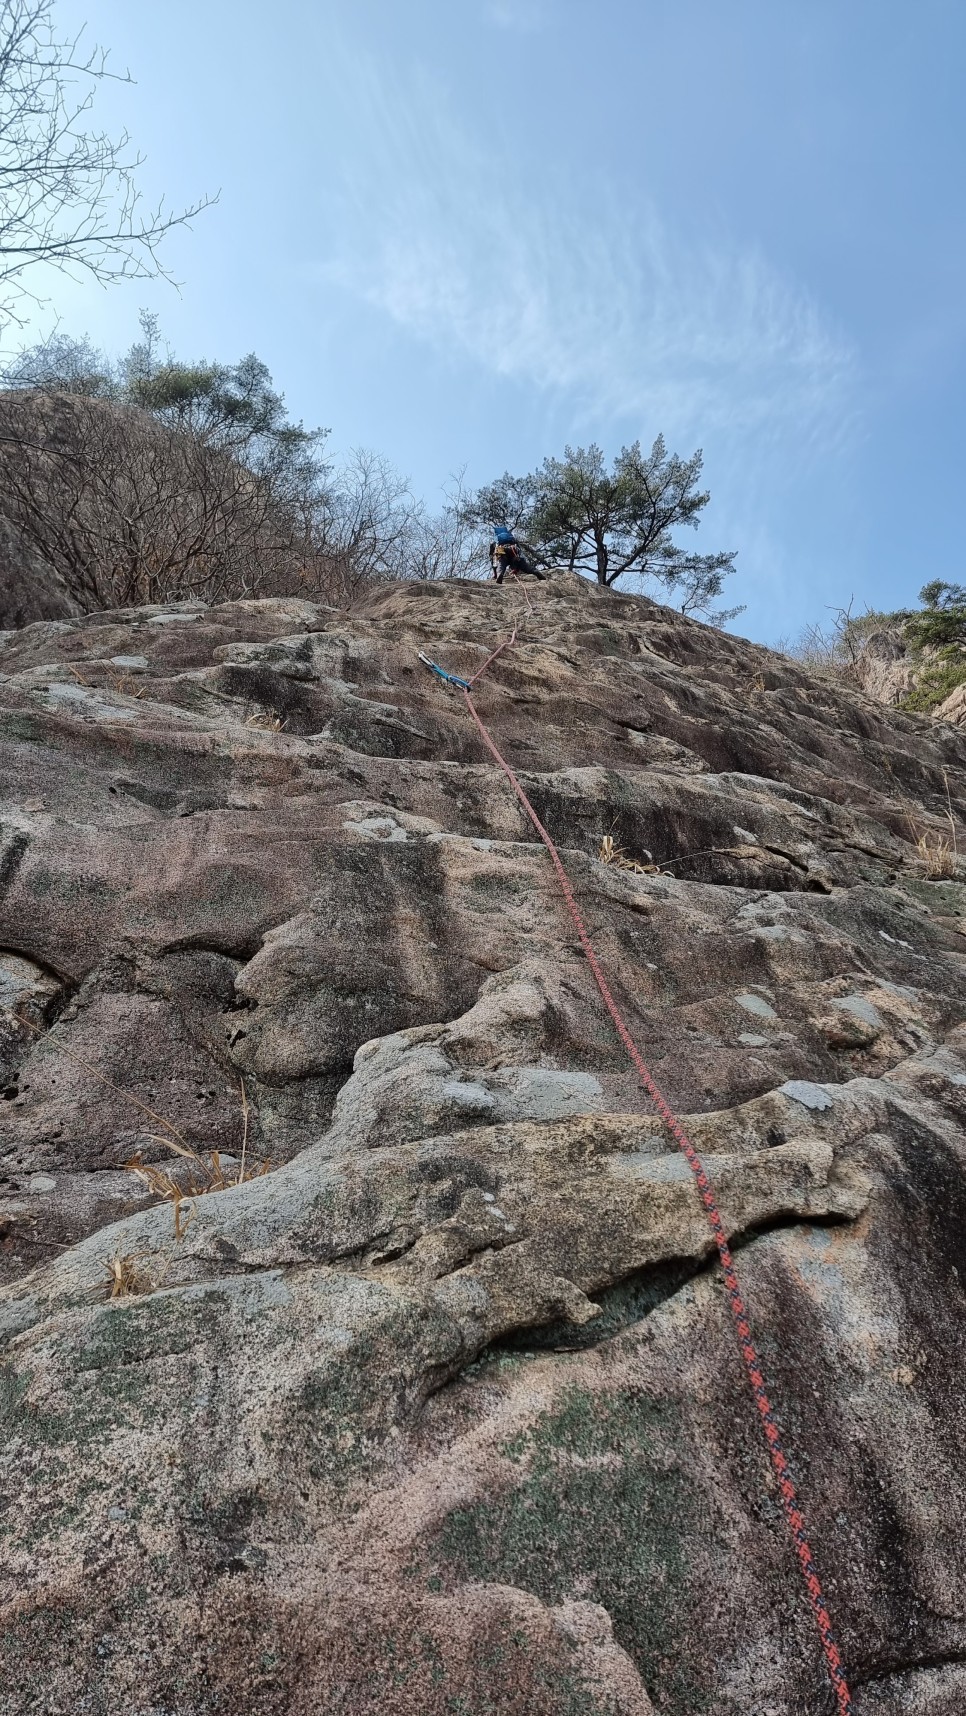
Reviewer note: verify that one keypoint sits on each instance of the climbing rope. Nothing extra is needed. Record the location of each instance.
(749, 1353)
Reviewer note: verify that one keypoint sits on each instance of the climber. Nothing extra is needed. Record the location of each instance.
(507, 555)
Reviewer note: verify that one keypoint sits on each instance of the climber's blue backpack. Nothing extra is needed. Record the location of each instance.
(503, 536)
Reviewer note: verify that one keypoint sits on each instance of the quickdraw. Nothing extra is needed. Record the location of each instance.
(441, 673)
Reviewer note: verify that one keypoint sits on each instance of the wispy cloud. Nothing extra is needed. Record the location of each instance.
(590, 296)
(523, 17)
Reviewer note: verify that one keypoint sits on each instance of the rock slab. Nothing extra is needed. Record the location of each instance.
(442, 1412)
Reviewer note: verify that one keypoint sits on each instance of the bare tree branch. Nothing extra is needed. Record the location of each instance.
(68, 192)
(128, 511)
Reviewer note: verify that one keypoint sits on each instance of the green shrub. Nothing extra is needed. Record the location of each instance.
(941, 621)
(937, 681)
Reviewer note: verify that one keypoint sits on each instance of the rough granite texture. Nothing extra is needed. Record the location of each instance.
(443, 1415)
(888, 669)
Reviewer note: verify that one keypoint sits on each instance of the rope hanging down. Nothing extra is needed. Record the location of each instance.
(786, 1486)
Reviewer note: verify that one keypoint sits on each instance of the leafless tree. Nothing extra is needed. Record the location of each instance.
(447, 544)
(370, 527)
(832, 647)
(128, 511)
(367, 516)
(68, 192)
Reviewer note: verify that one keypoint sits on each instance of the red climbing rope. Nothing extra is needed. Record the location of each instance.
(749, 1353)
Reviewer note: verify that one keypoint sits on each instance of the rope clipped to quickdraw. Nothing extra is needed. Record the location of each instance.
(749, 1353)
(441, 673)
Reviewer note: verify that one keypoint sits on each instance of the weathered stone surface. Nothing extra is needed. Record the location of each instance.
(888, 669)
(884, 666)
(444, 1413)
(954, 707)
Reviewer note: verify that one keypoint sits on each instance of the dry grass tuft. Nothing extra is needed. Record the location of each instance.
(167, 1190)
(208, 1173)
(123, 683)
(939, 856)
(267, 720)
(124, 1272)
(611, 854)
(125, 1278)
(939, 852)
(126, 685)
(181, 1194)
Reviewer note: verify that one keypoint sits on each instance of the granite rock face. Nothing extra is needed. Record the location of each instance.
(884, 665)
(443, 1412)
(887, 668)
(953, 708)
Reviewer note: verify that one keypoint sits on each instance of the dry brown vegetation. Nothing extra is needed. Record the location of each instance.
(939, 856)
(615, 855)
(128, 512)
(206, 1171)
(938, 852)
(126, 508)
(211, 1175)
(125, 1275)
(266, 720)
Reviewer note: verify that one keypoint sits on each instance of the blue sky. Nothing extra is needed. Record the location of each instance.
(467, 232)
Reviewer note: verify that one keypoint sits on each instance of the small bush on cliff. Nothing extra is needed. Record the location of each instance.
(834, 647)
(936, 637)
(935, 683)
(941, 621)
(932, 638)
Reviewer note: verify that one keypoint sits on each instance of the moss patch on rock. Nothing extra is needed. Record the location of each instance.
(602, 1510)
